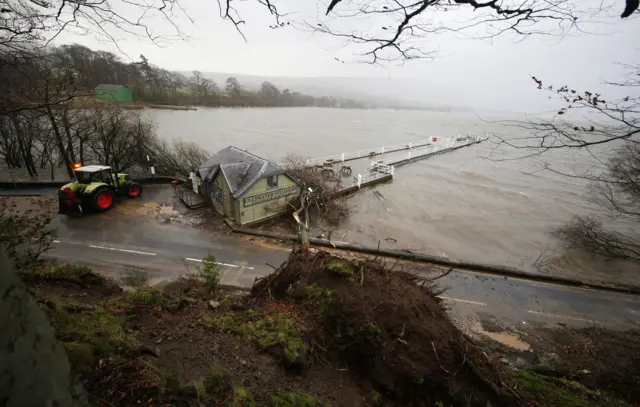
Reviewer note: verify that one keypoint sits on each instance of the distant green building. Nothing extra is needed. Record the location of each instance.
(113, 93)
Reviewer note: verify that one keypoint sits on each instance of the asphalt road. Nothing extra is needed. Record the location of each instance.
(166, 251)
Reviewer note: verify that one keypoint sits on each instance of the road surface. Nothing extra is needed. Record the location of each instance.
(166, 251)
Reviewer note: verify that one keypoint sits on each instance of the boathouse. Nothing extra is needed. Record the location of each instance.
(246, 188)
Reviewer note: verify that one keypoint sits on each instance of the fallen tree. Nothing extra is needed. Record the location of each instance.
(388, 326)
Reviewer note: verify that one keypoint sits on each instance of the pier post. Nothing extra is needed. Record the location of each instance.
(410, 145)
(382, 150)
(409, 155)
(342, 157)
(359, 180)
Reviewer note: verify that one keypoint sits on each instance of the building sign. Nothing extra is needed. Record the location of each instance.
(269, 196)
(217, 193)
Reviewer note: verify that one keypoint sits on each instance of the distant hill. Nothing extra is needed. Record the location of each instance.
(384, 92)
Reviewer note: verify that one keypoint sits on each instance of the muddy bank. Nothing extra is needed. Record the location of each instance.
(320, 331)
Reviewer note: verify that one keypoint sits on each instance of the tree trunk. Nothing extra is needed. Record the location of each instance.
(59, 142)
(67, 131)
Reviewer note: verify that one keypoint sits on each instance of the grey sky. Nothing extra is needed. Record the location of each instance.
(466, 72)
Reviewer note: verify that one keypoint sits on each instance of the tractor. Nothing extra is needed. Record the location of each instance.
(96, 189)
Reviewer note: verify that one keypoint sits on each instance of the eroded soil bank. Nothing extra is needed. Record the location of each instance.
(320, 331)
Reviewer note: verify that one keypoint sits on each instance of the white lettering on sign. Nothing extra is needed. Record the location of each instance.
(269, 196)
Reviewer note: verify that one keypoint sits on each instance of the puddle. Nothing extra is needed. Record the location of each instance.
(505, 338)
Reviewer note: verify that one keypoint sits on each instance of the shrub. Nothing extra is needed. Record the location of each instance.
(209, 272)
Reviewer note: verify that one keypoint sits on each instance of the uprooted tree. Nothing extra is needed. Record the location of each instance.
(318, 199)
(608, 130)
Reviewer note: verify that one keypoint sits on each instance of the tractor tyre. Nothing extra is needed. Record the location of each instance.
(102, 199)
(133, 189)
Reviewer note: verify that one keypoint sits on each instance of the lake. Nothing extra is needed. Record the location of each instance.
(476, 203)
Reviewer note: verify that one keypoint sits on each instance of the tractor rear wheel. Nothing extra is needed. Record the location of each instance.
(102, 199)
(134, 190)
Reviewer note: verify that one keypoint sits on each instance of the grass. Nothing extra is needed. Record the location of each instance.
(266, 329)
(550, 391)
(292, 399)
(90, 334)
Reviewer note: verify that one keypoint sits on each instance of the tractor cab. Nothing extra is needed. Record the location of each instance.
(96, 188)
(98, 173)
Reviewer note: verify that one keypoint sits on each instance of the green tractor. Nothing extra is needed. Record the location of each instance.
(96, 189)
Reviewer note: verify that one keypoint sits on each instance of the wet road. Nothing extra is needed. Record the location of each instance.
(166, 251)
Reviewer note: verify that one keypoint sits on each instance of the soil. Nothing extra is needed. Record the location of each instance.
(322, 330)
(32, 206)
(187, 349)
(388, 328)
(604, 359)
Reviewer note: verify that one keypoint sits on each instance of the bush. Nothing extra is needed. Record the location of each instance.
(209, 272)
(25, 238)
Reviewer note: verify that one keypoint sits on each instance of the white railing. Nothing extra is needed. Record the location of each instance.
(366, 178)
(441, 145)
(435, 143)
(330, 159)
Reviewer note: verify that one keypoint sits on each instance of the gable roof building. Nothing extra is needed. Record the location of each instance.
(113, 93)
(245, 187)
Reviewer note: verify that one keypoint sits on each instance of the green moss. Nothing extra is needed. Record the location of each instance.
(340, 269)
(557, 392)
(102, 332)
(171, 382)
(292, 399)
(322, 298)
(80, 354)
(241, 397)
(218, 381)
(375, 398)
(265, 330)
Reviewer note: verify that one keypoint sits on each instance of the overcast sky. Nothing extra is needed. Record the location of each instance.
(474, 72)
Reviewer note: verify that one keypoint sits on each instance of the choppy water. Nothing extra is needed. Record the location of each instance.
(460, 204)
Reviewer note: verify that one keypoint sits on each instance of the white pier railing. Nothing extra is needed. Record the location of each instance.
(436, 143)
(370, 152)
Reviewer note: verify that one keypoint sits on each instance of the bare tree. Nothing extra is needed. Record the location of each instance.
(177, 157)
(608, 130)
(397, 30)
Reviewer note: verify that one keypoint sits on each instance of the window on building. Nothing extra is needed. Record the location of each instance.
(272, 181)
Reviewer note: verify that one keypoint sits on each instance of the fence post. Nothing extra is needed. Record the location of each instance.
(359, 180)
(409, 155)
(342, 157)
(410, 145)
(393, 170)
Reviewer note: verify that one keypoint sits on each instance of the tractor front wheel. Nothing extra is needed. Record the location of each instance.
(134, 190)
(102, 199)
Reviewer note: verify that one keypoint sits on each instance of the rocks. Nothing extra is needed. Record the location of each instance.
(213, 304)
